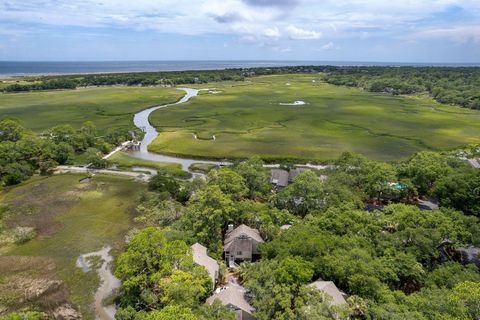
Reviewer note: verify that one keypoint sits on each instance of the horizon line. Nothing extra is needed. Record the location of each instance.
(248, 60)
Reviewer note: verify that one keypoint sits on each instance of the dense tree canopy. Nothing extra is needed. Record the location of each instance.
(388, 260)
(446, 85)
(156, 272)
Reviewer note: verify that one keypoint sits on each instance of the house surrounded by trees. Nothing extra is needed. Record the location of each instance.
(233, 297)
(329, 288)
(201, 258)
(241, 244)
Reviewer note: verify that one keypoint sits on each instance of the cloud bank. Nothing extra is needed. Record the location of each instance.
(281, 25)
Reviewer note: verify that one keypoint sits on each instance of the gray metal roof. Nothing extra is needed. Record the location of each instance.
(232, 296)
(201, 258)
(241, 230)
(295, 172)
(470, 255)
(328, 287)
(474, 163)
(279, 177)
(427, 204)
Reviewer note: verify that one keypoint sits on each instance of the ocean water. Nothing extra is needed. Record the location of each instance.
(26, 68)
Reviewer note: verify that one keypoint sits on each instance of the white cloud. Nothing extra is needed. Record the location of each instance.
(296, 33)
(284, 50)
(328, 46)
(272, 32)
(262, 21)
(457, 34)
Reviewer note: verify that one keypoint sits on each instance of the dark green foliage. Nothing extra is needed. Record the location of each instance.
(388, 261)
(460, 190)
(304, 195)
(208, 213)
(22, 153)
(156, 272)
(371, 254)
(158, 210)
(255, 176)
(277, 290)
(229, 182)
(449, 274)
(446, 85)
(164, 184)
(371, 178)
(94, 158)
(15, 173)
(10, 130)
(215, 311)
(424, 169)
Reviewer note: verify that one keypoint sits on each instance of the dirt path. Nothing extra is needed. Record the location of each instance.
(67, 169)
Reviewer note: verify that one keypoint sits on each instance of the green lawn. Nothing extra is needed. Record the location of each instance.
(107, 107)
(70, 219)
(247, 119)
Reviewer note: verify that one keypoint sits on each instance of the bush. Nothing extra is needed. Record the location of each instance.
(23, 234)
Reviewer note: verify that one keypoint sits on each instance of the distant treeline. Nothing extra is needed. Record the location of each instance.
(172, 78)
(451, 85)
(459, 86)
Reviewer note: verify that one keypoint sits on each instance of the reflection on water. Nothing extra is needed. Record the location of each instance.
(141, 121)
(108, 282)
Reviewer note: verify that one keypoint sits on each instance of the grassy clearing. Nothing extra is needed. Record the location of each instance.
(70, 219)
(124, 161)
(247, 119)
(107, 107)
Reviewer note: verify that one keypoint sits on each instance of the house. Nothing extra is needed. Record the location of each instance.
(467, 255)
(281, 178)
(201, 258)
(329, 288)
(475, 163)
(293, 173)
(241, 244)
(470, 255)
(233, 297)
(431, 204)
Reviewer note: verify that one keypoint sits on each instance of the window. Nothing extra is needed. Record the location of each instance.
(239, 253)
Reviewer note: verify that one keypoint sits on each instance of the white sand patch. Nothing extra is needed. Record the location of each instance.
(295, 103)
(214, 91)
(287, 84)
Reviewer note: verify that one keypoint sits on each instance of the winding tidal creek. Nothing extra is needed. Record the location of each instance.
(141, 121)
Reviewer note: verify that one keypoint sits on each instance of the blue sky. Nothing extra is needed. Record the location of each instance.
(335, 30)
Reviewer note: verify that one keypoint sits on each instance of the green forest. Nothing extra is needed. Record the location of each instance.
(394, 262)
